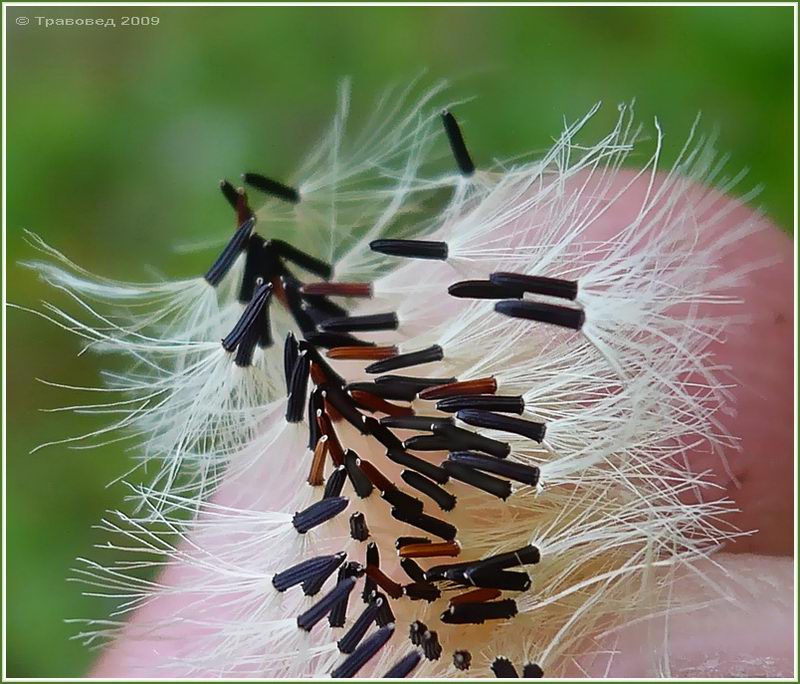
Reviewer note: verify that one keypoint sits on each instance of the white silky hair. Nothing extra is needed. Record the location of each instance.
(624, 400)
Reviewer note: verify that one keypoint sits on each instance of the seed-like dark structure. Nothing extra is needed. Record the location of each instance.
(318, 513)
(562, 316)
(427, 355)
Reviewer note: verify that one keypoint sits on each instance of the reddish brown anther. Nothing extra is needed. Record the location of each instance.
(243, 211)
(338, 289)
(317, 374)
(450, 549)
(378, 479)
(334, 445)
(360, 353)
(369, 402)
(476, 596)
(385, 582)
(457, 389)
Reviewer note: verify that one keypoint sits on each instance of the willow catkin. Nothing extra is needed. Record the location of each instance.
(469, 455)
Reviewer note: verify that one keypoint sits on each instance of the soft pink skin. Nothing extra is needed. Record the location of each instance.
(753, 637)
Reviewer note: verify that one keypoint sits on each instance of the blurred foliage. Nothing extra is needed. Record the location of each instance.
(117, 138)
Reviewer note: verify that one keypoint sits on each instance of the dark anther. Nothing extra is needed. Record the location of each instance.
(415, 632)
(325, 367)
(256, 265)
(462, 660)
(418, 384)
(412, 569)
(229, 193)
(361, 483)
(446, 571)
(319, 610)
(464, 440)
(413, 422)
(457, 144)
(540, 285)
(297, 390)
(430, 645)
(427, 355)
(383, 434)
(475, 478)
(363, 654)
(444, 499)
(482, 289)
(338, 614)
(304, 260)
(314, 404)
(227, 257)
(333, 487)
(271, 187)
(312, 585)
(247, 346)
(519, 472)
(321, 307)
(329, 340)
(249, 318)
(561, 316)
(493, 421)
(422, 591)
(488, 402)
(318, 513)
(427, 523)
(305, 570)
(407, 460)
(497, 579)
(358, 527)
(527, 555)
(354, 635)
(294, 302)
(367, 323)
(403, 667)
(532, 671)
(343, 403)
(290, 354)
(503, 669)
(402, 501)
(385, 614)
(427, 443)
(478, 613)
(411, 249)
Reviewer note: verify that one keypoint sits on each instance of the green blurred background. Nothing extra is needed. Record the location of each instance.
(117, 138)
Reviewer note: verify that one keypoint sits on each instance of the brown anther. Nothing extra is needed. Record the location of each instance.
(315, 473)
(369, 402)
(457, 389)
(360, 353)
(385, 582)
(450, 549)
(476, 596)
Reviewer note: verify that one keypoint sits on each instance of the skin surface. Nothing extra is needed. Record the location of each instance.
(750, 635)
